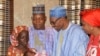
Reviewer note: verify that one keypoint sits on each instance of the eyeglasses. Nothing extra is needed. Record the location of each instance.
(53, 23)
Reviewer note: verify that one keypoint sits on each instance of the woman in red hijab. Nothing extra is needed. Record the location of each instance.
(91, 25)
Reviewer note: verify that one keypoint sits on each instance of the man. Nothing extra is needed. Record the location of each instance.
(40, 37)
(71, 40)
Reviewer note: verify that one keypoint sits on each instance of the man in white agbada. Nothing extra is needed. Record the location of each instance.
(40, 37)
(71, 39)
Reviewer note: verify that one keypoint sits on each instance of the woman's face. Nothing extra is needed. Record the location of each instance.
(86, 27)
(23, 37)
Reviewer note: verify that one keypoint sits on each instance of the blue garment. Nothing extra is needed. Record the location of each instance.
(44, 39)
(74, 42)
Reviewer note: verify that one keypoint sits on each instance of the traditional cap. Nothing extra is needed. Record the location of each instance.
(91, 16)
(58, 12)
(15, 32)
(38, 9)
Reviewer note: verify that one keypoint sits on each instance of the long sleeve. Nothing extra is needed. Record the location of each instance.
(50, 41)
(81, 47)
(80, 42)
(75, 42)
(31, 39)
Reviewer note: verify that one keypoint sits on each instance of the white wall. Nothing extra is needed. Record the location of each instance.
(23, 10)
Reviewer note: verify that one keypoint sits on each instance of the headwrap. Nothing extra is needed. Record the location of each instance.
(38, 9)
(15, 33)
(91, 16)
(58, 12)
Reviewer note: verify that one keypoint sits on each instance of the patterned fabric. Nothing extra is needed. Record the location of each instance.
(12, 51)
(74, 42)
(58, 12)
(39, 9)
(14, 34)
(41, 39)
(91, 16)
(93, 46)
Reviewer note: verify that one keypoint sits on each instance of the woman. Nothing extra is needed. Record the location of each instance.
(19, 42)
(91, 25)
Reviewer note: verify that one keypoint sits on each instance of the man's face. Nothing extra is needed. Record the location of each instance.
(56, 23)
(86, 27)
(23, 37)
(38, 21)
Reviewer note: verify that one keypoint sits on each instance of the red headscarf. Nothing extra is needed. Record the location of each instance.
(15, 33)
(91, 16)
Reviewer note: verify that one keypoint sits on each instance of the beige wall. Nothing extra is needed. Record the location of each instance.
(23, 10)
